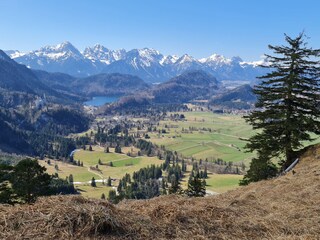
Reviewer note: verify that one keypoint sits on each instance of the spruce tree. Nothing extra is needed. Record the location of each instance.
(287, 107)
(93, 182)
(109, 182)
(196, 186)
(70, 179)
(112, 197)
(30, 180)
(175, 185)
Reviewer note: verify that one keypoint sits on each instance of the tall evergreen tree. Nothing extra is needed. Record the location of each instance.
(30, 180)
(175, 185)
(287, 107)
(70, 179)
(196, 187)
(93, 182)
(109, 182)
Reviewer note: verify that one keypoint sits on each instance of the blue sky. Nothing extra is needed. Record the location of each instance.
(199, 27)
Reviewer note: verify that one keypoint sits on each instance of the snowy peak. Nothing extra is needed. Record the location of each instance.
(143, 58)
(216, 59)
(186, 59)
(60, 51)
(62, 47)
(262, 62)
(146, 53)
(100, 53)
(14, 53)
(170, 59)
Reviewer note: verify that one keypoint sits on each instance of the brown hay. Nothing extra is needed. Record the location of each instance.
(287, 207)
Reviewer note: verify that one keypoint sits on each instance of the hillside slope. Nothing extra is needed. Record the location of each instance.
(287, 207)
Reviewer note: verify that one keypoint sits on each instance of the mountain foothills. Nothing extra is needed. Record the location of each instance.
(241, 97)
(146, 63)
(108, 84)
(32, 112)
(192, 85)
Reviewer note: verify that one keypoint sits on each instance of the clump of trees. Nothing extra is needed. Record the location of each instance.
(287, 108)
(144, 184)
(26, 181)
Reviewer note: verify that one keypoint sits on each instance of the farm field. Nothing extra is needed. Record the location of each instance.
(82, 176)
(222, 182)
(206, 135)
(201, 135)
(93, 192)
(122, 163)
(215, 183)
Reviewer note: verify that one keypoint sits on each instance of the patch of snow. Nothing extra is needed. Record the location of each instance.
(17, 54)
(216, 59)
(262, 62)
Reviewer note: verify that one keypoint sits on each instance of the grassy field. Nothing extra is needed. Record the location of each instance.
(93, 192)
(222, 182)
(82, 176)
(201, 135)
(215, 183)
(222, 141)
(122, 163)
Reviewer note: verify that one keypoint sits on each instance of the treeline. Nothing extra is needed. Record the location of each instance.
(116, 136)
(52, 146)
(145, 110)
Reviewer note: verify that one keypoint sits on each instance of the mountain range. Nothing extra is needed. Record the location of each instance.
(146, 63)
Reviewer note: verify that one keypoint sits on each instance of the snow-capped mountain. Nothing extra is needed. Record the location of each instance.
(186, 63)
(103, 54)
(147, 63)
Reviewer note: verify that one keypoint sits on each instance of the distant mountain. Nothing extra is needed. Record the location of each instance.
(19, 85)
(56, 80)
(191, 85)
(146, 63)
(185, 87)
(17, 77)
(240, 97)
(99, 53)
(108, 84)
(63, 58)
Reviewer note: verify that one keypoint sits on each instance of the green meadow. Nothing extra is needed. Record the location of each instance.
(192, 137)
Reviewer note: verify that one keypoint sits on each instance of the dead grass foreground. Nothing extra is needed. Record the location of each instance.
(284, 208)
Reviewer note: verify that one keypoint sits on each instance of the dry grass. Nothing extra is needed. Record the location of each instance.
(283, 208)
